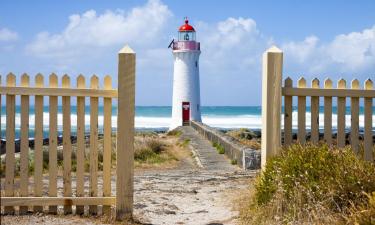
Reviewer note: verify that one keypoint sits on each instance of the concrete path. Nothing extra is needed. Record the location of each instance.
(206, 155)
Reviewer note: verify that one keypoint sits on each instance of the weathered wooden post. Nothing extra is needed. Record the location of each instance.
(271, 102)
(125, 133)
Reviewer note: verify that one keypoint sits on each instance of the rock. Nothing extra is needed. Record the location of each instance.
(251, 159)
(169, 212)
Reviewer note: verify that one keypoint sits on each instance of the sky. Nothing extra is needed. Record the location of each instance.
(334, 39)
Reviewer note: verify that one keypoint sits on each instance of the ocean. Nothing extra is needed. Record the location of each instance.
(157, 118)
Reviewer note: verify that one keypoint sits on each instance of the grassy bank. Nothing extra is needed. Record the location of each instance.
(246, 137)
(151, 150)
(312, 185)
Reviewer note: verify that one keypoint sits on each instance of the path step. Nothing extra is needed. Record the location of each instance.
(207, 155)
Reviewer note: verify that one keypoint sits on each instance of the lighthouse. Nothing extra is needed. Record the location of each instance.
(186, 89)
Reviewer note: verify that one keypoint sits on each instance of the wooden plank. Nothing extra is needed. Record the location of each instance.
(341, 111)
(58, 92)
(38, 150)
(315, 114)
(51, 201)
(93, 209)
(24, 156)
(10, 145)
(354, 106)
(80, 144)
(288, 111)
(328, 92)
(107, 144)
(368, 145)
(301, 135)
(125, 134)
(52, 187)
(271, 103)
(328, 114)
(67, 145)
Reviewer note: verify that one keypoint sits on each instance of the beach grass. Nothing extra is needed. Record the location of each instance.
(312, 185)
(150, 150)
(246, 137)
(219, 148)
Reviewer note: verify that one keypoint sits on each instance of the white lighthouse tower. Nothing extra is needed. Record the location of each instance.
(186, 90)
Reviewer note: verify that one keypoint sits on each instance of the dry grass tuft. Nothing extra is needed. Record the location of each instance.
(313, 185)
(246, 137)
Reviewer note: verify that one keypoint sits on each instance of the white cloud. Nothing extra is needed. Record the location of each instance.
(90, 31)
(301, 51)
(231, 45)
(353, 52)
(7, 35)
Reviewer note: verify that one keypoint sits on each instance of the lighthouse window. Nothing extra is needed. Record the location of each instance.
(198, 107)
(196, 63)
(186, 37)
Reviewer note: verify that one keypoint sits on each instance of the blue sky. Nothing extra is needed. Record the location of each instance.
(319, 39)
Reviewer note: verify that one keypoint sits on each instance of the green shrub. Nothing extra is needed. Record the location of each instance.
(185, 143)
(219, 148)
(312, 183)
(152, 151)
(176, 133)
(233, 162)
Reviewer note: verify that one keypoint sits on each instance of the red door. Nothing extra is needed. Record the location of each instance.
(185, 113)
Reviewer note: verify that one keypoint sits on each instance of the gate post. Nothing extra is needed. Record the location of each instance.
(271, 103)
(125, 134)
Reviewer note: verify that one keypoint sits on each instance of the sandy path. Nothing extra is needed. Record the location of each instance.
(188, 197)
(186, 194)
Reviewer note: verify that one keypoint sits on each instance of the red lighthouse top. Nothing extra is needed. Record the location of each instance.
(186, 26)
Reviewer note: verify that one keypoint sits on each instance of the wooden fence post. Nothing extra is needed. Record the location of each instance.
(271, 103)
(125, 134)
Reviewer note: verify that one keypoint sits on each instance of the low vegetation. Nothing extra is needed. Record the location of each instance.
(176, 133)
(150, 149)
(313, 185)
(219, 148)
(246, 137)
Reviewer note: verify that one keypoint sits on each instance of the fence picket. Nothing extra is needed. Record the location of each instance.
(52, 187)
(38, 150)
(341, 111)
(301, 135)
(354, 106)
(288, 111)
(24, 156)
(93, 209)
(107, 144)
(10, 145)
(80, 143)
(328, 114)
(67, 146)
(315, 113)
(368, 146)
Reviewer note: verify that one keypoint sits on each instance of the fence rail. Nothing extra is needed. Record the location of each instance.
(125, 140)
(271, 109)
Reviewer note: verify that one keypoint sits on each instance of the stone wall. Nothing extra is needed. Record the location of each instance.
(245, 157)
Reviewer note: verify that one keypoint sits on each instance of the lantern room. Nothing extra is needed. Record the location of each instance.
(186, 38)
(186, 32)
